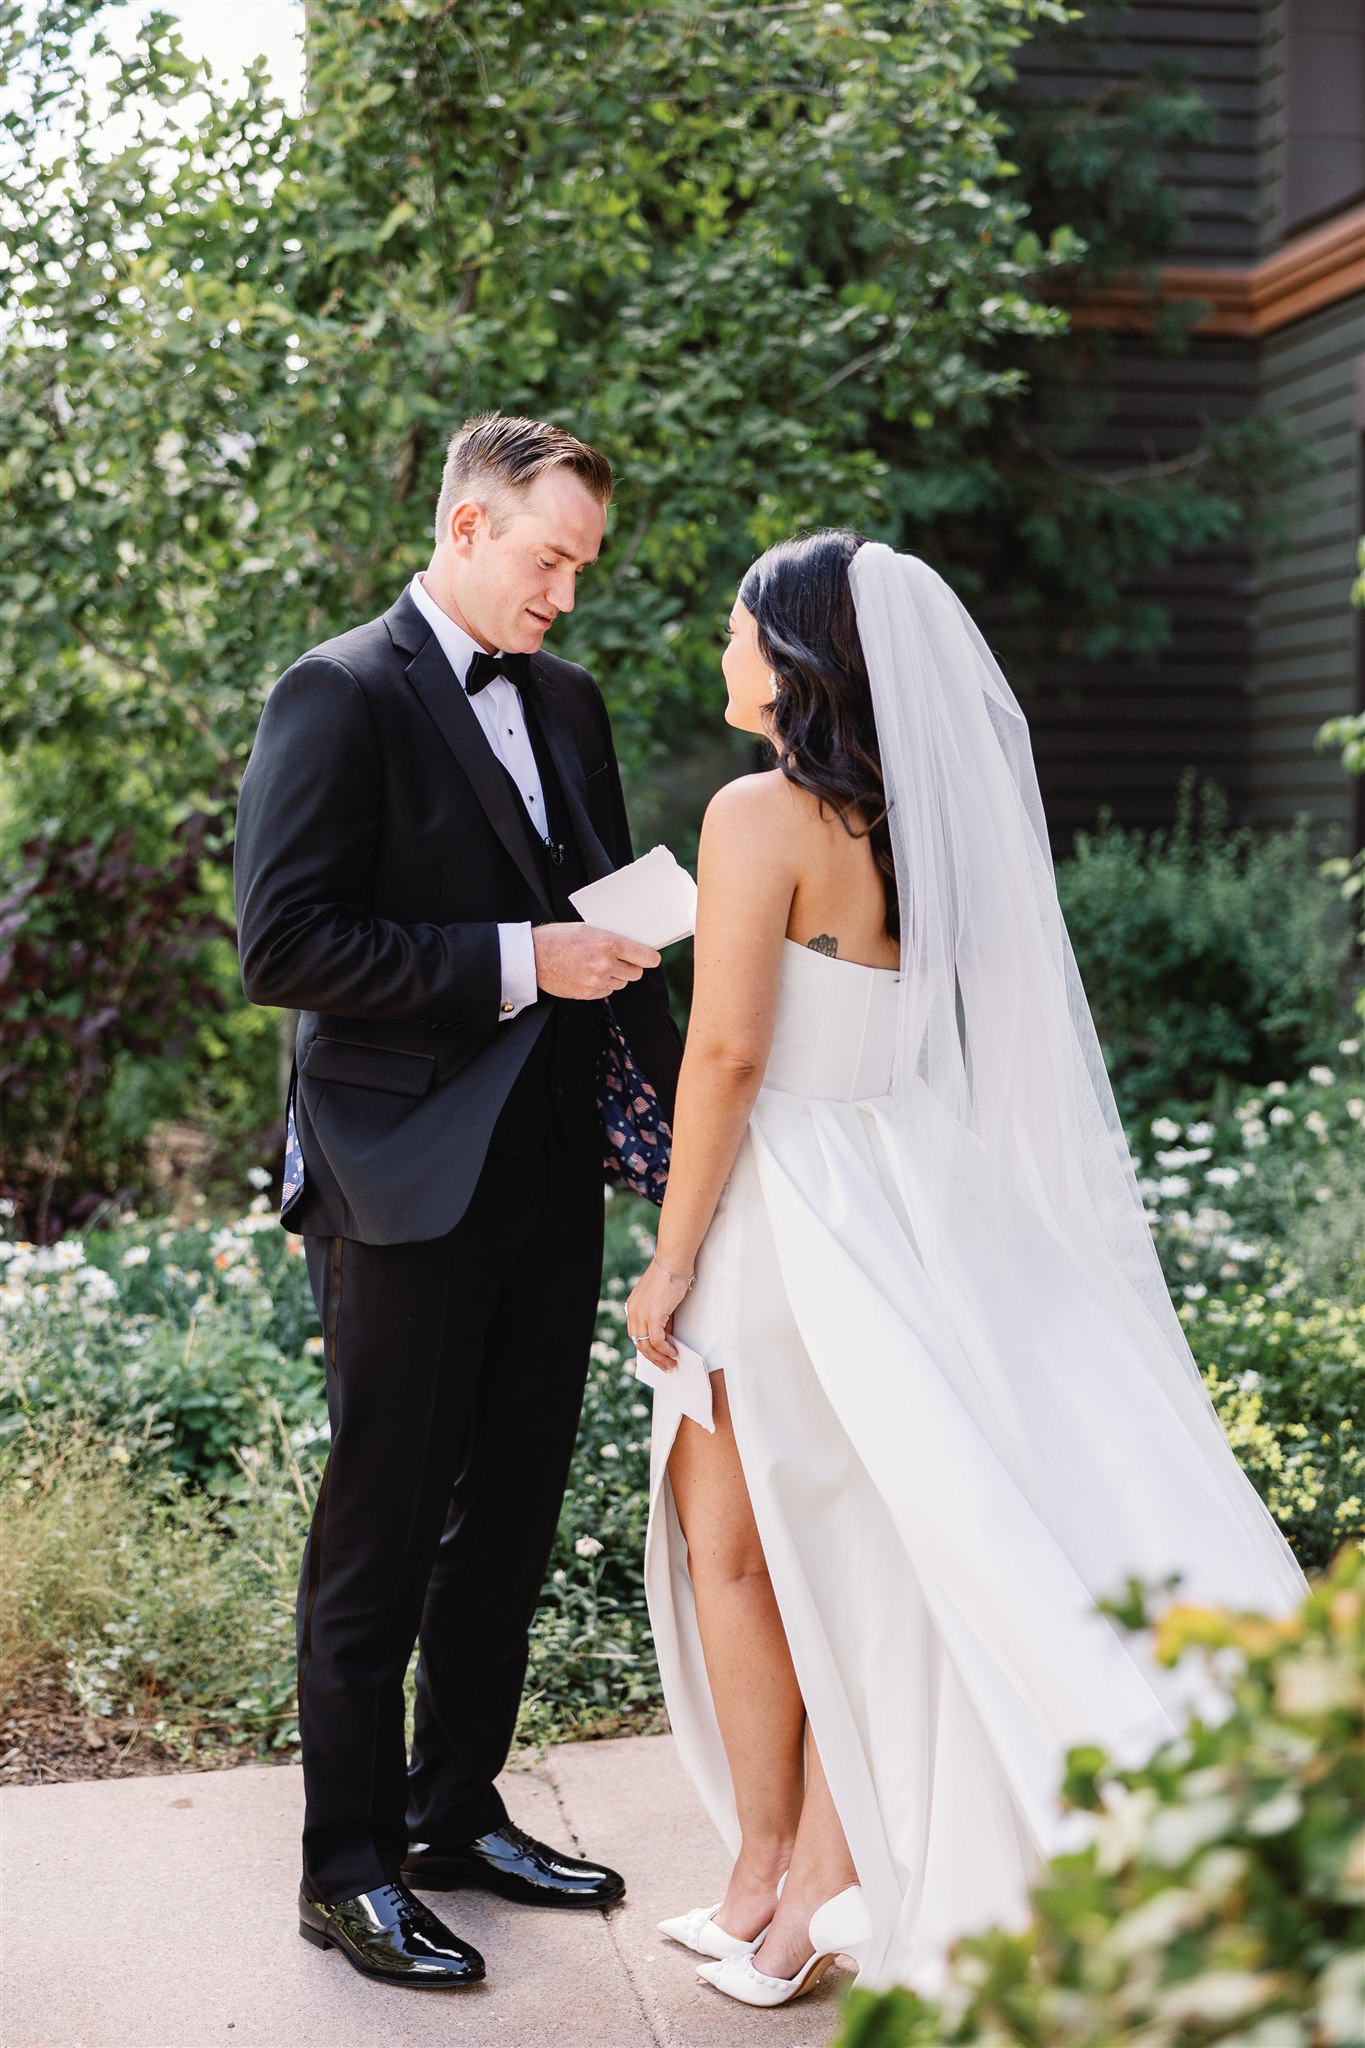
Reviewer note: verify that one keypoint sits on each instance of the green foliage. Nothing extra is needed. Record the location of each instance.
(1349, 734)
(104, 973)
(766, 235)
(1222, 1897)
(1208, 955)
(186, 1361)
(163, 1423)
(786, 270)
(1257, 1220)
(1289, 1387)
(153, 1600)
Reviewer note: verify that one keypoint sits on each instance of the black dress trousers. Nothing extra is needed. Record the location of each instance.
(455, 1375)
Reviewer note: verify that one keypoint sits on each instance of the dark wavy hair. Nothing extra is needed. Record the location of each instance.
(821, 723)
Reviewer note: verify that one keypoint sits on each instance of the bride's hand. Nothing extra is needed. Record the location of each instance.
(649, 1315)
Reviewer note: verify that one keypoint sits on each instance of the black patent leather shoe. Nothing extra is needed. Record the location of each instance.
(515, 1866)
(389, 1934)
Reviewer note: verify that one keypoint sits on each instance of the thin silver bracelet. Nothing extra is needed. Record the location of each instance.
(675, 1277)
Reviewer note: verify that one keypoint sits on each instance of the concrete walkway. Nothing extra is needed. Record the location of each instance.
(159, 1913)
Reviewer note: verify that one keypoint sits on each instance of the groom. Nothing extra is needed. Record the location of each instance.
(424, 793)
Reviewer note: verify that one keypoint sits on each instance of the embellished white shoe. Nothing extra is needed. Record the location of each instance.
(700, 1931)
(841, 1927)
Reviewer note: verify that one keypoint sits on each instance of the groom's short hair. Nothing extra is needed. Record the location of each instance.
(493, 458)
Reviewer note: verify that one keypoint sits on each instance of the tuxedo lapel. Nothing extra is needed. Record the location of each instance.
(432, 677)
(568, 761)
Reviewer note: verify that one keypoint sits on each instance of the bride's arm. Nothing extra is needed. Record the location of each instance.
(746, 876)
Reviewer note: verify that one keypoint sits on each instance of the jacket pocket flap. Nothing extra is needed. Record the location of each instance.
(369, 1066)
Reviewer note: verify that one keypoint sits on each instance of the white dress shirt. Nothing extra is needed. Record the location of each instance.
(497, 706)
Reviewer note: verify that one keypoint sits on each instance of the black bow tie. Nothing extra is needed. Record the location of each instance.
(483, 668)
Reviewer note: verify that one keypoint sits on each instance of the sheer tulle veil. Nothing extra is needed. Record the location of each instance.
(1017, 1179)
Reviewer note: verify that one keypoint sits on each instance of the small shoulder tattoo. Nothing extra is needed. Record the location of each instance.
(824, 944)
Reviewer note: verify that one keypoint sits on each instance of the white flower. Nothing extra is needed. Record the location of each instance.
(1322, 1194)
(1254, 1132)
(1281, 1115)
(1322, 1075)
(559, 1577)
(1355, 1108)
(604, 1354)
(1180, 1156)
(1349, 1047)
(587, 1546)
(1172, 1185)
(1195, 1291)
(1251, 1107)
(312, 1347)
(639, 1411)
(259, 1176)
(136, 1255)
(1276, 1087)
(1316, 1122)
(1199, 1134)
(1248, 1381)
(609, 1451)
(1223, 1176)
(1164, 1129)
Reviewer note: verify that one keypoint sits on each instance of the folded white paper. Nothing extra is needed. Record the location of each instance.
(686, 1389)
(653, 901)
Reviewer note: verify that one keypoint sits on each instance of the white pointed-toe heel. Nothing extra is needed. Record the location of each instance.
(841, 1927)
(700, 1931)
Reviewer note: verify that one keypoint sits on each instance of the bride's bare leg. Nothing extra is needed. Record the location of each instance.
(821, 1867)
(748, 1664)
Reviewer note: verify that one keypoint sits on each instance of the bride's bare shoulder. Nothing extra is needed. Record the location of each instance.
(764, 801)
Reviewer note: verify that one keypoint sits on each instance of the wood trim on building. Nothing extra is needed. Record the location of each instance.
(1313, 270)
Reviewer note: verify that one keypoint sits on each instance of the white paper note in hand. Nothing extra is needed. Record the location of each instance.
(653, 901)
(687, 1388)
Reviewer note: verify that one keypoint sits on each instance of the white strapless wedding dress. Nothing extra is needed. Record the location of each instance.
(937, 1512)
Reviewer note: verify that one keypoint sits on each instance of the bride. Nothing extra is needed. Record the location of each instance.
(952, 1405)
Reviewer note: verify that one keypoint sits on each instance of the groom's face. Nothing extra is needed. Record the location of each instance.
(517, 573)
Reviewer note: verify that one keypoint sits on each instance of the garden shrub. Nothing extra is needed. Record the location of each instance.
(1209, 956)
(156, 1603)
(190, 1356)
(1222, 1896)
(162, 1429)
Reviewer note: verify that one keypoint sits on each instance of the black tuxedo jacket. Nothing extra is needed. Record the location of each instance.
(379, 846)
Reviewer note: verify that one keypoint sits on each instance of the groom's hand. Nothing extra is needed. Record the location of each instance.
(583, 963)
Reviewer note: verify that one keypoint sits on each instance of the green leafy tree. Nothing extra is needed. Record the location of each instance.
(718, 242)
(780, 262)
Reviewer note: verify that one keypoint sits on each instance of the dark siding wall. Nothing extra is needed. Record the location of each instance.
(1122, 733)
(1219, 44)
(1307, 658)
(1324, 108)
(1257, 657)
(1270, 130)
